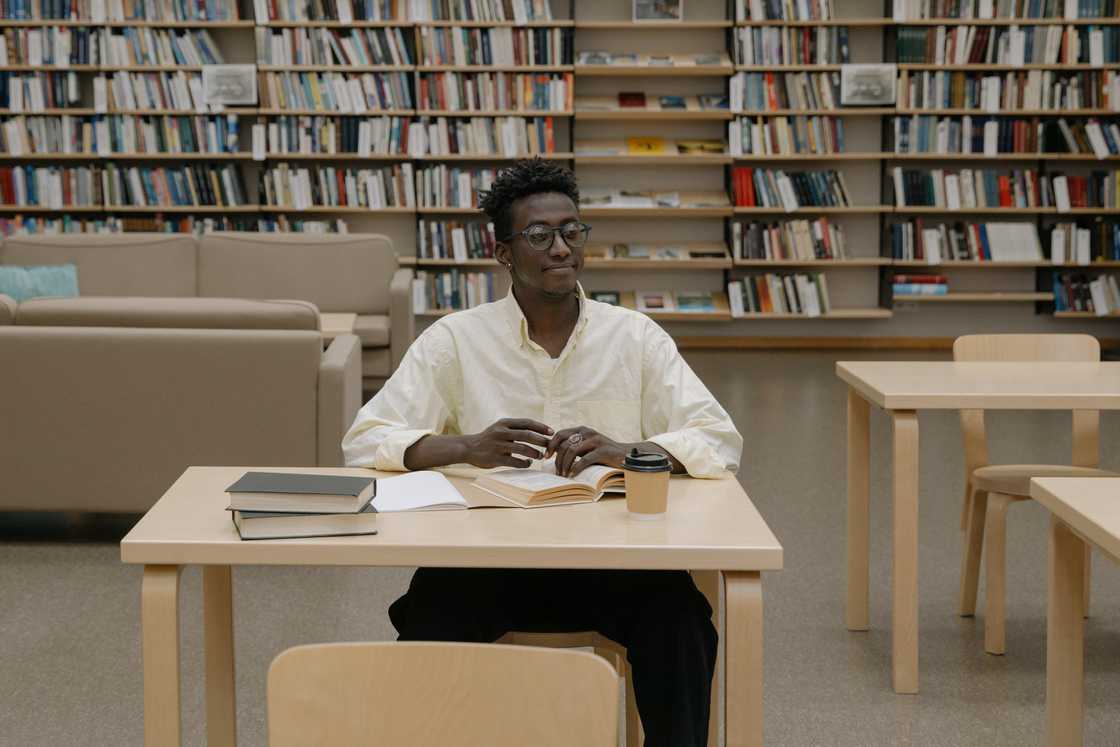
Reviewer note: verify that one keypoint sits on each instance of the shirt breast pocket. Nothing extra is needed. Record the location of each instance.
(618, 419)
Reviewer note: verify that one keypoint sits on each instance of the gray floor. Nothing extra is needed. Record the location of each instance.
(69, 617)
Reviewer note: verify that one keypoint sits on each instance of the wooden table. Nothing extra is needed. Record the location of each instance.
(902, 388)
(1083, 511)
(711, 526)
(334, 324)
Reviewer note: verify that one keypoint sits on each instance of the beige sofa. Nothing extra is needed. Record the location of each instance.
(106, 401)
(355, 273)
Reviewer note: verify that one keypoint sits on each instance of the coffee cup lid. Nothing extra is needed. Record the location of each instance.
(638, 461)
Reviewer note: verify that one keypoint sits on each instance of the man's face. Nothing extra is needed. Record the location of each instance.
(555, 270)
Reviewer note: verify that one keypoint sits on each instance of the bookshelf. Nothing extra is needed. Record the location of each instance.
(496, 130)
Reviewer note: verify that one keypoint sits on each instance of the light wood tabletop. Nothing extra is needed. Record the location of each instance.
(940, 385)
(711, 528)
(903, 387)
(333, 324)
(1084, 511)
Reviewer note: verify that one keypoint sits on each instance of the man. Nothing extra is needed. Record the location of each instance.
(546, 372)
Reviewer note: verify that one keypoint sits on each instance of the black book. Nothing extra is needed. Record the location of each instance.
(291, 492)
(254, 525)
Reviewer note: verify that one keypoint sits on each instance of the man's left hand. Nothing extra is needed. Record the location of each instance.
(580, 447)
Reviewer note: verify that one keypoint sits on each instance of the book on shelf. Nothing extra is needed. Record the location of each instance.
(631, 100)
(52, 187)
(266, 525)
(780, 91)
(452, 187)
(151, 46)
(611, 298)
(598, 57)
(451, 290)
(972, 242)
(991, 136)
(539, 485)
(1018, 188)
(131, 91)
(920, 279)
(331, 46)
(345, 11)
(1098, 295)
(694, 302)
(301, 493)
(518, 11)
(654, 301)
(457, 240)
(780, 10)
(467, 92)
(34, 92)
(639, 101)
(50, 46)
(803, 294)
(1008, 45)
(901, 289)
(1017, 90)
(301, 188)
(774, 188)
(800, 240)
(31, 225)
(786, 135)
(495, 46)
(633, 199)
(1093, 240)
(314, 134)
(912, 10)
(803, 45)
(335, 92)
(283, 224)
(194, 185)
(161, 10)
(482, 136)
(645, 146)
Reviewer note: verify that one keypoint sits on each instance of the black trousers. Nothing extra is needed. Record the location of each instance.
(659, 616)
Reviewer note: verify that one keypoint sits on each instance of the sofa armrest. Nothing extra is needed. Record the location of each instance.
(400, 315)
(340, 396)
(7, 309)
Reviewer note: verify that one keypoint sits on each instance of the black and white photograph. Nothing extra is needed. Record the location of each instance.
(867, 85)
(658, 10)
(230, 85)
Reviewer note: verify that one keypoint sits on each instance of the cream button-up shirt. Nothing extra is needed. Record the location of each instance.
(619, 374)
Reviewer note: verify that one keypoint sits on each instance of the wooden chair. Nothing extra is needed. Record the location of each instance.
(709, 582)
(990, 489)
(448, 694)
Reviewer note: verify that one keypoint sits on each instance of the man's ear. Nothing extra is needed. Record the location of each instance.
(503, 253)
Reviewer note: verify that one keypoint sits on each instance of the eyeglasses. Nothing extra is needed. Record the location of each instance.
(541, 237)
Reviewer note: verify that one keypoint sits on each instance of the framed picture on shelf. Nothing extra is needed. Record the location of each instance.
(611, 297)
(867, 85)
(659, 11)
(229, 85)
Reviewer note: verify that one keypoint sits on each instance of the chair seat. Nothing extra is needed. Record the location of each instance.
(1015, 479)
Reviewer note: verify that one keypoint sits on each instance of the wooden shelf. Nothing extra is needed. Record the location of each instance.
(810, 210)
(1008, 112)
(241, 24)
(835, 264)
(128, 157)
(590, 263)
(494, 157)
(17, 68)
(853, 22)
(322, 209)
(662, 71)
(326, 113)
(835, 314)
(985, 67)
(429, 210)
(336, 157)
(1009, 22)
(968, 264)
(654, 115)
(721, 314)
(157, 68)
(623, 25)
(813, 157)
(437, 312)
(1004, 211)
(560, 23)
(466, 113)
(788, 68)
(40, 209)
(1085, 315)
(996, 157)
(988, 297)
(181, 209)
(337, 24)
(660, 159)
(599, 211)
(493, 68)
(871, 111)
(82, 112)
(336, 68)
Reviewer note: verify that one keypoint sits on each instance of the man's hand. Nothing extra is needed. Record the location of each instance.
(580, 447)
(505, 443)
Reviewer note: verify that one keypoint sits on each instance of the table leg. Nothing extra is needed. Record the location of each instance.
(710, 584)
(859, 511)
(743, 692)
(159, 642)
(221, 707)
(1065, 654)
(904, 617)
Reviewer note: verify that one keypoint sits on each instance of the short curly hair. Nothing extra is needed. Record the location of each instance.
(526, 177)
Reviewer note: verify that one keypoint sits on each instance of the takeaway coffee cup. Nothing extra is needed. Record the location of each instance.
(647, 484)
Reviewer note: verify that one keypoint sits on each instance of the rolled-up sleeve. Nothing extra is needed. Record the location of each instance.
(416, 401)
(680, 415)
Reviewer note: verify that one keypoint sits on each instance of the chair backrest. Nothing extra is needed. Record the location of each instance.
(1002, 348)
(404, 694)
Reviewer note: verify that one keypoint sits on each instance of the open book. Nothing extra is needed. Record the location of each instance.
(541, 486)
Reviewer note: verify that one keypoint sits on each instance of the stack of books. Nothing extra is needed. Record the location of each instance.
(919, 285)
(284, 505)
(1079, 292)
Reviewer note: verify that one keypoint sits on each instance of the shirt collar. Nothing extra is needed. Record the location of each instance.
(519, 325)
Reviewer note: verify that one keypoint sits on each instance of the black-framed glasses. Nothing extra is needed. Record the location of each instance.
(541, 237)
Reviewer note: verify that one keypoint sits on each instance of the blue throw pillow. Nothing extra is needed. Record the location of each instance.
(22, 283)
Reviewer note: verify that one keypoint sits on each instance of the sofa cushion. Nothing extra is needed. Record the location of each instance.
(7, 310)
(23, 283)
(372, 330)
(336, 272)
(118, 264)
(376, 362)
(178, 313)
